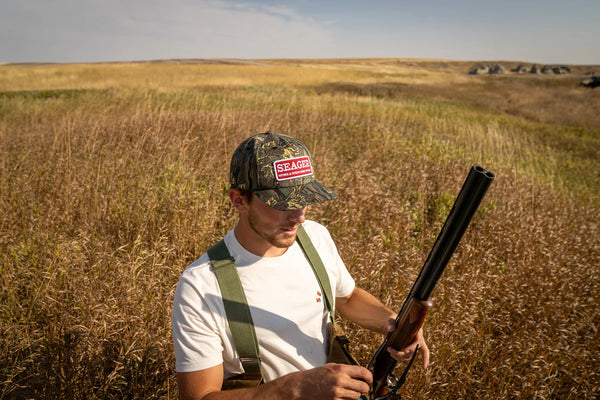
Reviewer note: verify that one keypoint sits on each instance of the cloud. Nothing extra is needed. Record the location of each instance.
(115, 30)
(111, 30)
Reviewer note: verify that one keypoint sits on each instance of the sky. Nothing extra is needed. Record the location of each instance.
(540, 31)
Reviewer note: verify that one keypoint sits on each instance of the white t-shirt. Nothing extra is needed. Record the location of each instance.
(285, 301)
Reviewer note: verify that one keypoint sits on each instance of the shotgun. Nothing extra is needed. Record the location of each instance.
(413, 311)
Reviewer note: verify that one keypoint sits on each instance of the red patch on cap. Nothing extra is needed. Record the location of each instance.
(291, 168)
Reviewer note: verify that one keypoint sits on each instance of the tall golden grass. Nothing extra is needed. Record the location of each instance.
(113, 178)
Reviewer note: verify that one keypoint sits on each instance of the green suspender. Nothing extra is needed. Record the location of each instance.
(236, 307)
(318, 268)
(339, 351)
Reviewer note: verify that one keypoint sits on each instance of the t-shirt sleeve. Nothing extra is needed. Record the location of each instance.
(345, 283)
(196, 341)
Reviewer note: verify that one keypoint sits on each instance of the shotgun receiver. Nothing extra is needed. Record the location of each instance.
(412, 314)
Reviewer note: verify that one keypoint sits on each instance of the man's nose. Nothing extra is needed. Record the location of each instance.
(297, 215)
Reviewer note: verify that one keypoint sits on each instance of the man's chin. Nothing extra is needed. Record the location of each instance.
(285, 242)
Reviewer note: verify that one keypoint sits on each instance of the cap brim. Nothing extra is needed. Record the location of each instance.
(295, 197)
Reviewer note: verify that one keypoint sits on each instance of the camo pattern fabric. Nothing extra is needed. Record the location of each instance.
(252, 168)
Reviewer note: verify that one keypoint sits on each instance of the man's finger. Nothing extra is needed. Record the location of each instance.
(424, 350)
(401, 355)
(391, 324)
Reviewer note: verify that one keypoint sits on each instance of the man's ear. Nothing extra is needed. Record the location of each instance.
(238, 200)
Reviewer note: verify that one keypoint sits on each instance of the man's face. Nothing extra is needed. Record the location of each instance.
(277, 227)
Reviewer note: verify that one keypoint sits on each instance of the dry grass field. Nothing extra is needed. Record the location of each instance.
(113, 178)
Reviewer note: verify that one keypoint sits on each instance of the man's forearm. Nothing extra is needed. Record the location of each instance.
(364, 309)
(267, 391)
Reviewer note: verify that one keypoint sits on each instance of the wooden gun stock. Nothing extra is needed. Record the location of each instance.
(407, 327)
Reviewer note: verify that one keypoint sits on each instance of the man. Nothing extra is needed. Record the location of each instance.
(272, 183)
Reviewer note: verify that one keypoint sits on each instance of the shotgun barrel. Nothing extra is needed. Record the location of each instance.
(413, 311)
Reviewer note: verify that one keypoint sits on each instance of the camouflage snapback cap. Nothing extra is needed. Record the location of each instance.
(278, 169)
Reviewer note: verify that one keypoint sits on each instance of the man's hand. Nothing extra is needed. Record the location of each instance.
(364, 309)
(406, 353)
(329, 382)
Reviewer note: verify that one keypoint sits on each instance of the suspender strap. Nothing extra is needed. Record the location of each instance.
(319, 269)
(236, 307)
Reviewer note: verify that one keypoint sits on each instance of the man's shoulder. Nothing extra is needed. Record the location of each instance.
(316, 231)
(202, 264)
(311, 225)
(199, 267)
